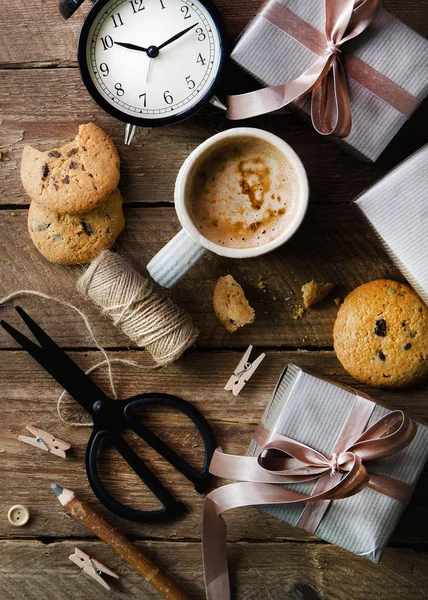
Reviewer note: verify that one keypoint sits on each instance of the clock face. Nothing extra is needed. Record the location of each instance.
(151, 62)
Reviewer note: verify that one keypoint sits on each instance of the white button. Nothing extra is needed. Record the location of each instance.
(18, 515)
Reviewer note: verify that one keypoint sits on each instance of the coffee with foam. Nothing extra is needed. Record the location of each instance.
(242, 193)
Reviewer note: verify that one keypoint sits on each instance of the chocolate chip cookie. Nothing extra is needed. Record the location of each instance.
(75, 178)
(76, 239)
(230, 304)
(381, 334)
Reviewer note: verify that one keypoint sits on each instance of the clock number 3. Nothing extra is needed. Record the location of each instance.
(201, 34)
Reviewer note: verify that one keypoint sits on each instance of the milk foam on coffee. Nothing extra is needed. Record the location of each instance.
(242, 193)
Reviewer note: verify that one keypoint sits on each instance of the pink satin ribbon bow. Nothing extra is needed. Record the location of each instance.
(325, 80)
(283, 460)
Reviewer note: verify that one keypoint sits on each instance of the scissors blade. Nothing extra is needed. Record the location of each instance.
(56, 362)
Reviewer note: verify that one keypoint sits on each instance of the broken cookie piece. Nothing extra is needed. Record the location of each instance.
(230, 304)
(314, 292)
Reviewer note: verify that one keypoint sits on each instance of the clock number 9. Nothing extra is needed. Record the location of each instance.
(119, 89)
(168, 98)
(104, 69)
(201, 34)
(186, 11)
(107, 42)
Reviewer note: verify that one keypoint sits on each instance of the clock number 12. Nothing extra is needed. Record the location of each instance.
(137, 6)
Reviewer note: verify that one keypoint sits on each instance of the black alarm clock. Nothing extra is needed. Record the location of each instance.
(150, 62)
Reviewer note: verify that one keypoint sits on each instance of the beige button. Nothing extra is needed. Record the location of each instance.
(18, 515)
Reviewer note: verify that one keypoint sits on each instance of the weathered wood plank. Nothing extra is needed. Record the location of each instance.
(28, 395)
(265, 571)
(334, 244)
(34, 33)
(59, 103)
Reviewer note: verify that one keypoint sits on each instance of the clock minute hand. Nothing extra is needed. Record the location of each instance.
(176, 36)
(131, 46)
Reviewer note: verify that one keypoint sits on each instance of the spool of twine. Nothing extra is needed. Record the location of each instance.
(144, 313)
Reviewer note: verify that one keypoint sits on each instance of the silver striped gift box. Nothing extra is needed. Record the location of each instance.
(392, 49)
(313, 411)
(397, 208)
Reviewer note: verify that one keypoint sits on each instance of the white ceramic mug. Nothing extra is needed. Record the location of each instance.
(172, 262)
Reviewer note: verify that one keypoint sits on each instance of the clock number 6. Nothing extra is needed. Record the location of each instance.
(201, 34)
(119, 89)
(190, 83)
(168, 98)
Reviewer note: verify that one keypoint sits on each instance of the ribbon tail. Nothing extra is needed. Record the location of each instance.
(214, 552)
(266, 100)
(330, 106)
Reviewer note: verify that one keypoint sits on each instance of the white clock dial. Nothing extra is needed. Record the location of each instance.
(136, 67)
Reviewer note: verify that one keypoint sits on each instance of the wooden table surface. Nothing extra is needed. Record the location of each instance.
(42, 102)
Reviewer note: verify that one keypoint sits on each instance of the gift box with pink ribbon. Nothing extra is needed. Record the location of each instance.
(325, 458)
(397, 208)
(356, 69)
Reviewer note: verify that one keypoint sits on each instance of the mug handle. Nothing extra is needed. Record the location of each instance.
(175, 259)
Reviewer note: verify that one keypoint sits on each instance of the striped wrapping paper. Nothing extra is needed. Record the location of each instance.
(397, 207)
(273, 57)
(313, 410)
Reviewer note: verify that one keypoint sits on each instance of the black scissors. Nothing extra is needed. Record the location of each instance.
(110, 417)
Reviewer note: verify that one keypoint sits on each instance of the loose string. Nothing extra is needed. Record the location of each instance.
(82, 315)
(64, 393)
(107, 361)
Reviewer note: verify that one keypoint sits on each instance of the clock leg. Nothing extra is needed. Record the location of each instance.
(129, 133)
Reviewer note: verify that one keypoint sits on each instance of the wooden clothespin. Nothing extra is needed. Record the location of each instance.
(45, 441)
(94, 568)
(244, 370)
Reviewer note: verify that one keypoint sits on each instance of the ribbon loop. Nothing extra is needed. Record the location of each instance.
(325, 81)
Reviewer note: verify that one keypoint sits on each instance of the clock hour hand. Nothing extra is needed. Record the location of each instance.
(131, 46)
(176, 36)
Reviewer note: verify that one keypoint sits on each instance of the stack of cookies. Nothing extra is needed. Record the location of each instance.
(76, 208)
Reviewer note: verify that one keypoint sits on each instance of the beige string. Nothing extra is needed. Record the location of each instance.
(64, 393)
(145, 314)
(107, 361)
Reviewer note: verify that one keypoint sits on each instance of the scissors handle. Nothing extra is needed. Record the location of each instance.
(170, 506)
(200, 478)
(112, 416)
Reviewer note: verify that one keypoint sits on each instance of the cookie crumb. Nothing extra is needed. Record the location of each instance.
(261, 285)
(230, 304)
(299, 313)
(13, 214)
(1, 154)
(338, 301)
(314, 292)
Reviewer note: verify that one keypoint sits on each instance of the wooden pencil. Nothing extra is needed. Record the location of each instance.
(119, 543)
